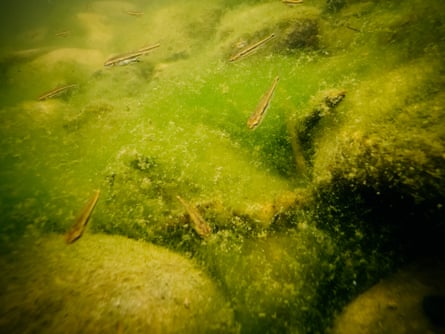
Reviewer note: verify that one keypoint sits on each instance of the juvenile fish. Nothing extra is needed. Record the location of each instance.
(55, 92)
(129, 57)
(64, 33)
(198, 223)
(81, 222)
(292, 2)
(260, 111)
(251, 48)
(134, 13)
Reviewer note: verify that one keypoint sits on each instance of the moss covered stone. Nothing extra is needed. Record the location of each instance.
(397, 304)
(106, 284)
(275, 281)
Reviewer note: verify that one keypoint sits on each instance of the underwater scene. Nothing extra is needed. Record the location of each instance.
(225, 166)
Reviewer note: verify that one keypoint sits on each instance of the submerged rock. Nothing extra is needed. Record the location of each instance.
(395, 304)
(301, 33)
(274, 280)
(293, 29)
(387, 157)
(324, 104)
(106, 284)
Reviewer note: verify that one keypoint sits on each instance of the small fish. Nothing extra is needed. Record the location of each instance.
(352, 28)
(251, 48)
(292, 2)
(149, 47)
(198, 223)
(55, 92)
(260, 111)
(129, 57)
(81, 222)
(64, 33)
(134, 13)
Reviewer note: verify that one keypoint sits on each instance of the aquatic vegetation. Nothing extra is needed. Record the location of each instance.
(401, 293)
(280, 280)
(122, 283)
(306, 211)
(306, 126)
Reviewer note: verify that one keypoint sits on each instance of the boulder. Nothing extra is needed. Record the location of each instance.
(106, 284)
(394, 305)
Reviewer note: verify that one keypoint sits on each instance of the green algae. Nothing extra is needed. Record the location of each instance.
(175, 124)
(119, 282)
(379, 308)
(280, 276)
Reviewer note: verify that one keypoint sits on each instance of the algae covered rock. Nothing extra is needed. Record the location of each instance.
(106, 284)
(274, 280)
(400, 296)
(294, 30)
(388, 151)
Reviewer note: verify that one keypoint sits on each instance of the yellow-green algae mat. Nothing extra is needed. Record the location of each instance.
(106, 284)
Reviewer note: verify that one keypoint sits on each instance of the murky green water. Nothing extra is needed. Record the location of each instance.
(313, 206)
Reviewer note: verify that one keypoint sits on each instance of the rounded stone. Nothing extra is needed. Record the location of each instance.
(394, 305)
(106, 284)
